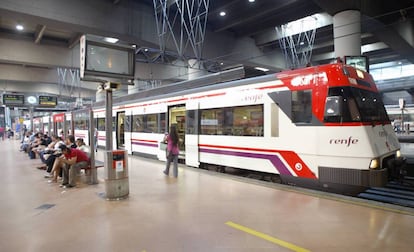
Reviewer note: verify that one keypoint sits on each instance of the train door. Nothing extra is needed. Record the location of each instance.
(192, 157)
(176, 115)
(120, 130)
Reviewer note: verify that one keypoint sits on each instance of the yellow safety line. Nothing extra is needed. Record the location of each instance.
(267, 237)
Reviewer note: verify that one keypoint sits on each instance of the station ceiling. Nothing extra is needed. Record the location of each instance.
(387, 32)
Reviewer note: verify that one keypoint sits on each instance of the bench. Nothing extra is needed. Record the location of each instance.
(87, 169)
(98, 164)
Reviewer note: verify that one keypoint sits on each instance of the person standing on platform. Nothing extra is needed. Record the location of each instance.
(172, 150)
(1, 133)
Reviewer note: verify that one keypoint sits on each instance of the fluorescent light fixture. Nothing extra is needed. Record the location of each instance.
(251, 1)
(19, 27)
(222, 13)
(111, 40)
(261, 69)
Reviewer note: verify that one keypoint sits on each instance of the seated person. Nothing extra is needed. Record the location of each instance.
(83, 147)
(26, 142)
(52, 163)
(49, 150)
(72, 160)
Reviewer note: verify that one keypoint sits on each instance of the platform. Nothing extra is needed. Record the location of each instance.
(198, 211)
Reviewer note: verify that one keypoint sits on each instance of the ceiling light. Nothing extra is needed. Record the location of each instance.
(111, 40)
(222, 13)
(251, 1)
(19, 27)
(261, 69)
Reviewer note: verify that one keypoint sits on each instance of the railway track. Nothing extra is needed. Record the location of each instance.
(398, 193)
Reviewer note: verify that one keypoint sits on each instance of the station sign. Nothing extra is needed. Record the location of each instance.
(47, 101)
(13, 99)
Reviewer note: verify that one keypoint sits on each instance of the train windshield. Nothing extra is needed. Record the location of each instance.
(350, 104)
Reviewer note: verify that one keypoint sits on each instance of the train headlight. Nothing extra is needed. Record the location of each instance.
(375, 164)
(398, 154)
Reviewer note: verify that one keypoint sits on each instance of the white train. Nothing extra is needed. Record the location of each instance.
(323, 127)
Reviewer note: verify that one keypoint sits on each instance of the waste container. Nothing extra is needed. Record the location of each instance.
(116, 175)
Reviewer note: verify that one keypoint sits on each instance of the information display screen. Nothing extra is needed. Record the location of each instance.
(109, 60)
(13, 99)
(47, 100)
(360, 62)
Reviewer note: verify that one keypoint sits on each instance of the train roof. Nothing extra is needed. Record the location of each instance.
(188, 87)
(220, 81)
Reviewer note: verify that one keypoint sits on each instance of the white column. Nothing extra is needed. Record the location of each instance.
(347, 33)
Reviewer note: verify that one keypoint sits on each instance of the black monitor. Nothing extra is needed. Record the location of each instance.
(359, 62)
(109, 60)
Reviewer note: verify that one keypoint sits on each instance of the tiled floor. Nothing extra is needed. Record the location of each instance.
(199, 211)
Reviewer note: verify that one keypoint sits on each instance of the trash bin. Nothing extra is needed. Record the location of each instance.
(116, 175)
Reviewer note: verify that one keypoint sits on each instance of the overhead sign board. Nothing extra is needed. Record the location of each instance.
(49, 101)
(13, 99)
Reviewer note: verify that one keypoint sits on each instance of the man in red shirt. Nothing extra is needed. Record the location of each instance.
(73, 160)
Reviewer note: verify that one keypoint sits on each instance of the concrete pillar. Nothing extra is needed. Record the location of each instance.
(347, 33)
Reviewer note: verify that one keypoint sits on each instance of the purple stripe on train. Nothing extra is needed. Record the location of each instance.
(274, 159)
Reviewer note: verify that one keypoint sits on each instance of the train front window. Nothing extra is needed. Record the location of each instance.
(348, 104)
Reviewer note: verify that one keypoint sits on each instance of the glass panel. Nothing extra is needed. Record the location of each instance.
(163, 123)
(358, 105)
(137, 123)
(128, 120)
(237, 121)
(150, 123)
(248, 120)
(302, 106)
(191, 122)
(101, 124)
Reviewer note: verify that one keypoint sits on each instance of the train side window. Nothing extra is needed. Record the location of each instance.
(302, 106)
(137, 123)
(210, 123)
(248, 120)
(236, 121)
(191, 120)
(150, 123)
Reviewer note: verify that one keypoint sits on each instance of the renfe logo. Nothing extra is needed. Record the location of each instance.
(346, 142)
(304, 80)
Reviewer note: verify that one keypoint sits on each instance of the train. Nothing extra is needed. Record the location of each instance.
(322, 127)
